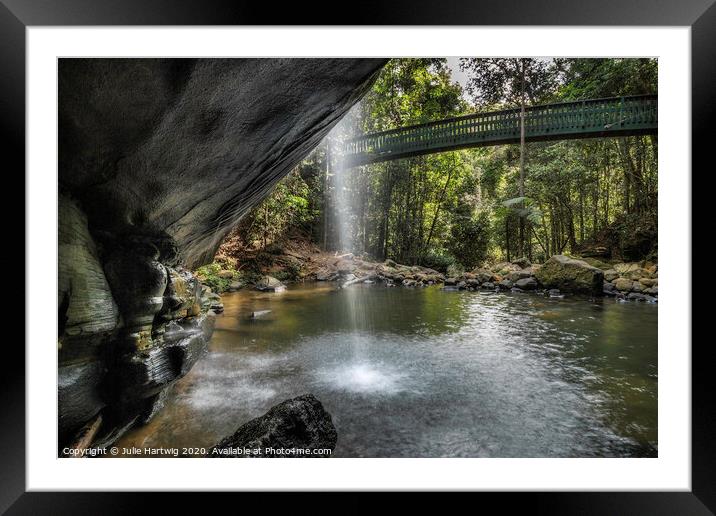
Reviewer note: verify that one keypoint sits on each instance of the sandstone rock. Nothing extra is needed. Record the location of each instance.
(635, 296)
(483, 275)
(298, 423)
(226, 274)
(610, 274)
(570, 275)
(526, 283)
(522, 262)
(78, 394)
(594, 262)
(505, 268)
(83, 294)
(623, 284)
(636, 274)
(554, 292)
(234, 286)
(648, 282)
(270, 284)
(180, 149)
(505, 284)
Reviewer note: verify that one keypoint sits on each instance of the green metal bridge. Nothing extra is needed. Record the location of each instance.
(618, 116)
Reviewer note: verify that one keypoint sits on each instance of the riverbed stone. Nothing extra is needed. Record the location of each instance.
(522, 262)
(623, 284)
(648, 282)
(610, 274)
(298, 423)
(570, 275)
(483, 275)
(527, 283)
(269, 284)
(505, 284)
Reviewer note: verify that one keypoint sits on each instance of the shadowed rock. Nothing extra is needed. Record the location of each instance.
(178, 150)
(297, 424)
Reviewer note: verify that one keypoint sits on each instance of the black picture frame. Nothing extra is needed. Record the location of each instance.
(17, 15)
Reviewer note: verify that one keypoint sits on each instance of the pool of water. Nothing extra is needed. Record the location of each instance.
(428, 373)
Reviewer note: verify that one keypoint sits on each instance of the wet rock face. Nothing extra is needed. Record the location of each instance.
(298, 423)
(83, 296)
(177, 150)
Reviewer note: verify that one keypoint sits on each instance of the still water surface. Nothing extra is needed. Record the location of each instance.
(428, 373)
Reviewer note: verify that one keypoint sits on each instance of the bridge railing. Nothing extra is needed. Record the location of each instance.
(551, 121)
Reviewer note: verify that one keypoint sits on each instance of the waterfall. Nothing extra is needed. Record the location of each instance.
(357, 371)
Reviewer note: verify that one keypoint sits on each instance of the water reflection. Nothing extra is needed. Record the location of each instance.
(429, 373)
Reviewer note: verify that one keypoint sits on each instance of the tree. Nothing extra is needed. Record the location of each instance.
(509, 82)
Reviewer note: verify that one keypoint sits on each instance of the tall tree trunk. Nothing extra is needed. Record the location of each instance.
(437, 210)
(628, 167)
(507, 237)
(522, 157)
(581, 214)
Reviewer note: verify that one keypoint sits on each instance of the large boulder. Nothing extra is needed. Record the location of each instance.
(571, 275)
(300, 423)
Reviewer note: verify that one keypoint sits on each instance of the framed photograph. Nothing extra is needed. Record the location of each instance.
(443, 249)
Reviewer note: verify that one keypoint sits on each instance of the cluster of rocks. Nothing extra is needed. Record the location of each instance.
(563, 274)
(560, 274)
(634, 281)
(516, 276)
(349, 269)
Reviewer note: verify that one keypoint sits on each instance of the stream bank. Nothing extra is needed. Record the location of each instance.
(297, 261)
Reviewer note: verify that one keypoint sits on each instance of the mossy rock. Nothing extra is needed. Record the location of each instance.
(596, 263)
(571, 275)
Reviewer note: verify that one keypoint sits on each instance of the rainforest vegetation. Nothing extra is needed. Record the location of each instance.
(591, 197)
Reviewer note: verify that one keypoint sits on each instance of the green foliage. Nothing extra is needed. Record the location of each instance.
(455, 269)
(438, 260)
(599, 78)
(499, 81)
(469, 240)
(213, 274)
(290, 206)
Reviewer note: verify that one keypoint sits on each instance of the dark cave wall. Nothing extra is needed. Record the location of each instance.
(158, 160)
